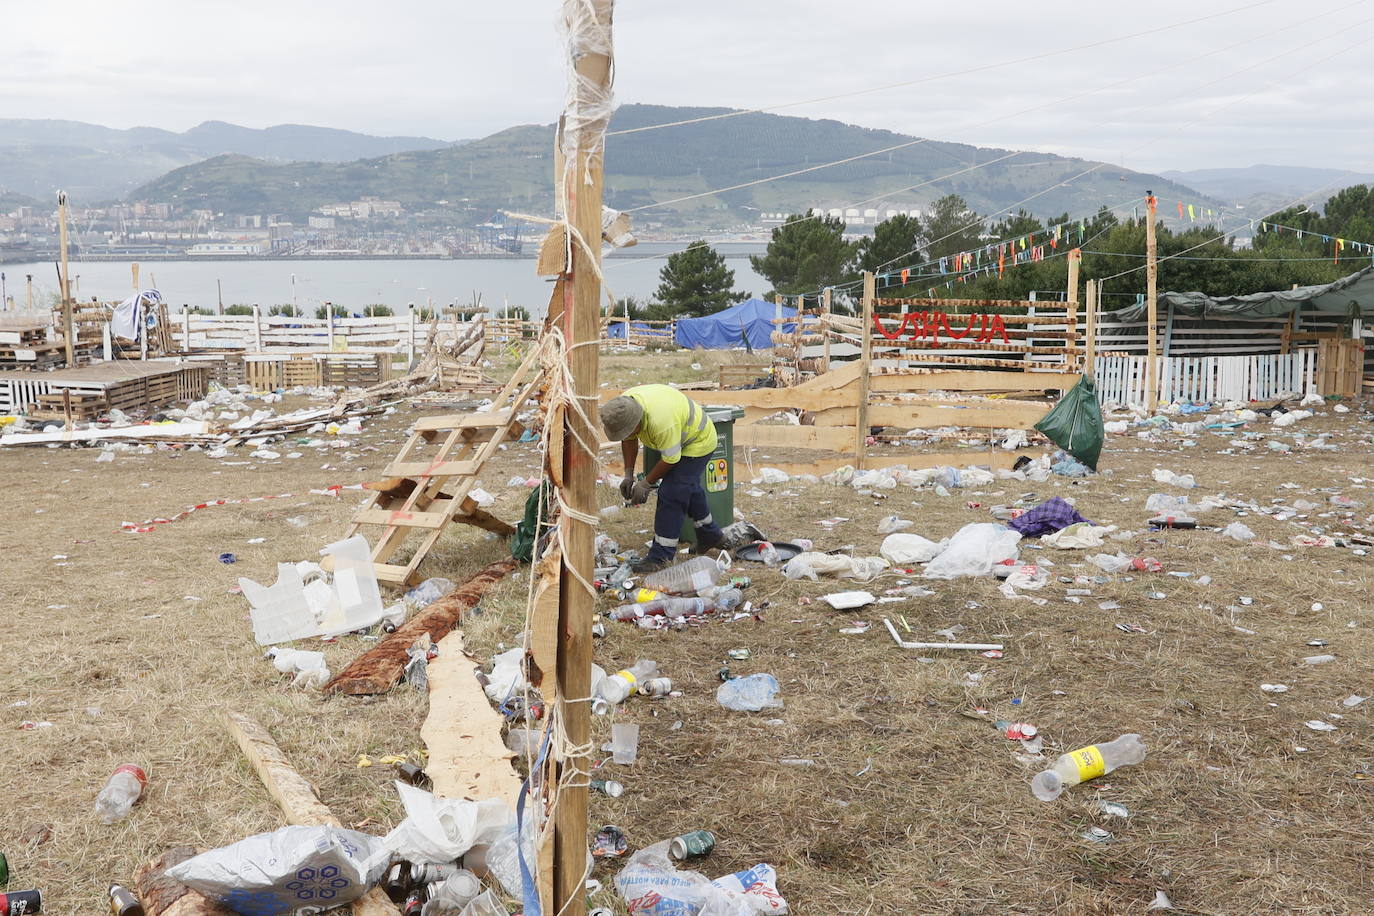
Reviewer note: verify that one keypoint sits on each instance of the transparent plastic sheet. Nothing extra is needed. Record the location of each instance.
(587, 109)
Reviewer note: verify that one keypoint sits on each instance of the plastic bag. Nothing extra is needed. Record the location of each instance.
(1238, 531)
(973, 551)
(1110, 564)
(812, 564)
(442, 829)
(1185, 481)
(749, 694)
(1075, 423)
(507, 676)
(1078, 535)
(772, 475)
(905, 549)
(892, 523)
(287, 870)
(428, 592)
(651, 885)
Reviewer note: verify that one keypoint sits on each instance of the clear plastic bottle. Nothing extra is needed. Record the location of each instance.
(615, 688)
(122, 789)
(1087, 763)
(690, 577)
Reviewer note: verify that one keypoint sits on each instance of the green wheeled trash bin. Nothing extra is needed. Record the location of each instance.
(719, 476)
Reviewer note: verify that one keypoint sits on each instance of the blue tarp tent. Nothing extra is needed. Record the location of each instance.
(728, 329)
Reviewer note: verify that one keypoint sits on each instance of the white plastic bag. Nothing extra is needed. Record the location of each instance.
(1110, 564)
(1186, 481)
(811, 564)
(750, 693)
(652, 885)
(1238, 531)
(905, 549)
(1078, 536)
(442, 829)
(973, 551)
(287, 870)
(892, 523)
(772, 475)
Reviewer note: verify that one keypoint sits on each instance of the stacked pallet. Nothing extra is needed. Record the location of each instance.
(28, 347)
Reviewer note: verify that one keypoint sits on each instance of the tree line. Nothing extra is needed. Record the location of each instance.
(809, 252)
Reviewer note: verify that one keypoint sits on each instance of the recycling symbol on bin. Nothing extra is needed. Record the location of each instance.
(323, 884)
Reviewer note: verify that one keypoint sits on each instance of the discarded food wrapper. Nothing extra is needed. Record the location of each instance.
(610, 843)
(844, 601)
(290, 868)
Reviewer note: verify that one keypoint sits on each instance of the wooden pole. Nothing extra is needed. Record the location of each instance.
(133, 268)
(257, 328)
(825, 326)
(66, 283)
(28, 292)
(185, 328)
(1151, 304)
(865, 368)
(589, 47)
(1090, 332)
(1071, 312)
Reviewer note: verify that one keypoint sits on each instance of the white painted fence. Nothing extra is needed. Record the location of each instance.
(276, 333)
(1121, 379)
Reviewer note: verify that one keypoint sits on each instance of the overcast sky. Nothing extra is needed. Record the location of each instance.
(1265, 84)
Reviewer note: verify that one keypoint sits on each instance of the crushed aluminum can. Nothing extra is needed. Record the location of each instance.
(610, 843)
(656, 687)
(689, 845)
(738, 655)
(1097, 835)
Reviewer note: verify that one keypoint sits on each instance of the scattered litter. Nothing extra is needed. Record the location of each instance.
(304, 602)
(750, 694)
(1161, 902)
(972, 646)
(651, 885)
(1317, 725)
(1087, 763)
(973, 551)
(1352, 701)
(909, 549)
(281, 871)
(1274, 688)
(845, 601)
(1113, 809)
(1238, 531)
(1318, 659)
(811, 565)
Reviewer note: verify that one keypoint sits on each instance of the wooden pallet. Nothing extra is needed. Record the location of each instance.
(427, 485)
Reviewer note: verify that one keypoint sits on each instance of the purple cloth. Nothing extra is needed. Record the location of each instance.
(1050, 516)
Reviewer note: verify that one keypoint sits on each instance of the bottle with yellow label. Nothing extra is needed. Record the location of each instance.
(613, 690)
(1086, 763)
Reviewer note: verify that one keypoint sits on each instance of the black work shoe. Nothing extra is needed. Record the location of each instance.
(701, 547)
(649, 565)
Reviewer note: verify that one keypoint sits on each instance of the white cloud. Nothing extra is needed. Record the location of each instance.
(452, 70)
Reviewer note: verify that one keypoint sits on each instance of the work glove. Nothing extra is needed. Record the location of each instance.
(627, 485)
(639, 493)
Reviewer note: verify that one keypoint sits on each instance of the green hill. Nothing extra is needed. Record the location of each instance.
(512, 170)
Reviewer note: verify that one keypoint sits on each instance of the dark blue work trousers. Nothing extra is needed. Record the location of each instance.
(681, 495)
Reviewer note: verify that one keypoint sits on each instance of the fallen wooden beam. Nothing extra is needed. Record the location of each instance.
(164, 896)
(294, 795)
(467, 757)
(379, 669)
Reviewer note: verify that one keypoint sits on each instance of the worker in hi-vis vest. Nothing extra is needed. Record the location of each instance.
(668, 421)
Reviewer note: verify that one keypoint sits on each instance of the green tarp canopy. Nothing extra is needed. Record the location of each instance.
(1351, 296)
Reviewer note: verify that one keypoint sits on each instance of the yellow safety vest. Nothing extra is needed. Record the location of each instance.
(673, 423)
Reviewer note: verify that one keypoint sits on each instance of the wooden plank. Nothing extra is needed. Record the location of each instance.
(400, 518)
(483, 420)
(865, 372)
(438, 468)
(462, 732)
(379, 669)
(994, 458)
(164, 896)
(837, 439)
(992, 415)
(294, 795)
(971, 380)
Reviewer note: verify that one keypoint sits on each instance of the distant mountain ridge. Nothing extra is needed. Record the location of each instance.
(1262, 188)
(512, 169)
(94, 163)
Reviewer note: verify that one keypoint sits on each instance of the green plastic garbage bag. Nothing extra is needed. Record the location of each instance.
(1075, 423)
(522, 542)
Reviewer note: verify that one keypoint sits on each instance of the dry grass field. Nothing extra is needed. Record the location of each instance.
(131, 645)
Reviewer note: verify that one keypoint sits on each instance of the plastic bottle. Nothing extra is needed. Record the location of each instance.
(122, 789)
(1086, 763)
(123, 902)
(615, 688)
(690, 577)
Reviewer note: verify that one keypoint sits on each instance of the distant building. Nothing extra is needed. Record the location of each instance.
(321, 222)
(226, 249)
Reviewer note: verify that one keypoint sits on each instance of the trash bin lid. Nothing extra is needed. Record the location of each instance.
(725, 414)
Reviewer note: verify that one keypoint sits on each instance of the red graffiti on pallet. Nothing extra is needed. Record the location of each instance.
(934, 325)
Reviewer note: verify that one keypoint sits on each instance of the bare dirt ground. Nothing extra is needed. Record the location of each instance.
(131, 646)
